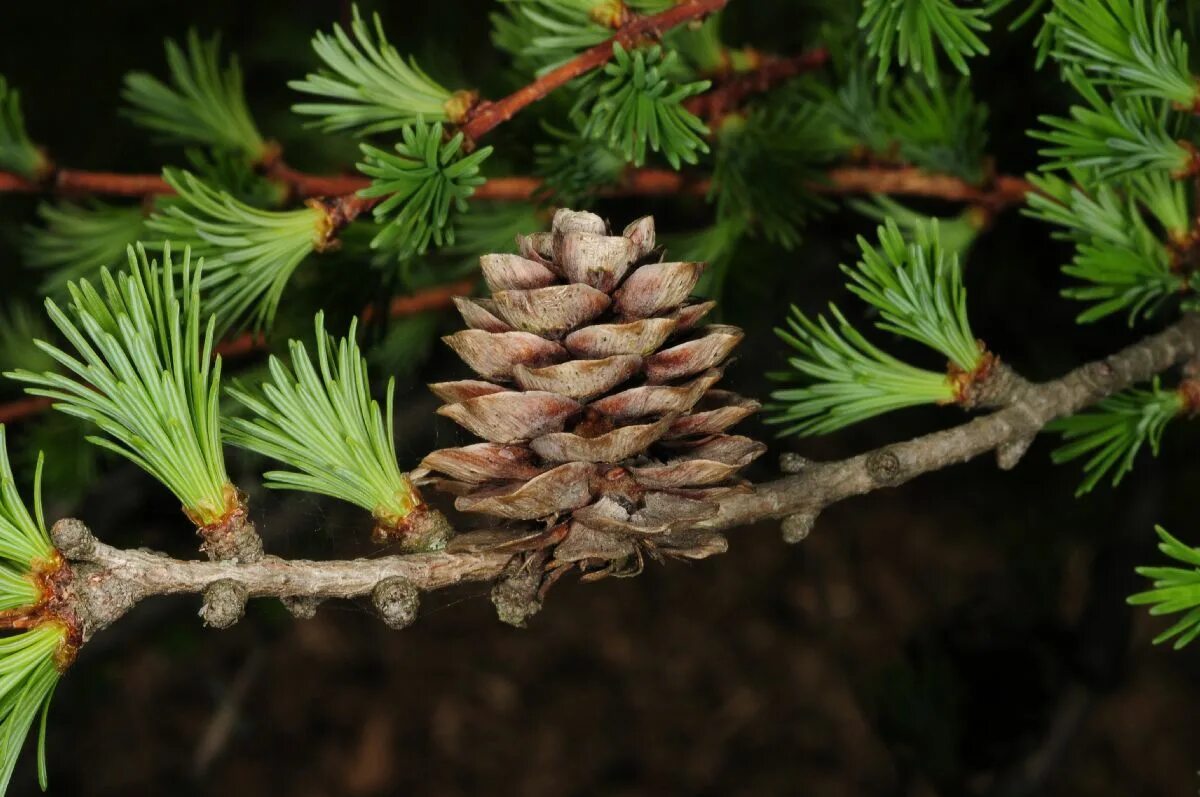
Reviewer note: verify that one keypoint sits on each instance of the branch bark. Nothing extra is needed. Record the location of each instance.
(109, 581)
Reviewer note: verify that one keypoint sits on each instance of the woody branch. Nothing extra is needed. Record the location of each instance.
(109, 581)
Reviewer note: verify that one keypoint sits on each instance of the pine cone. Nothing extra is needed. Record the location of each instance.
(599, 408)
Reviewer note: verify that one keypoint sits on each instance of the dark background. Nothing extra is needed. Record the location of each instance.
(964, 634)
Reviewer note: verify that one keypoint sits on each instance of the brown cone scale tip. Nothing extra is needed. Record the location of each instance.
(594, 391)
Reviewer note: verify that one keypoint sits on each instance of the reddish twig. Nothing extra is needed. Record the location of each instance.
(436, 298)
(75, 181)
(509, 189)
(20, 409)
(487, 115)
(1002, 192)
(16, 184)
(730, 93)
(301, 184)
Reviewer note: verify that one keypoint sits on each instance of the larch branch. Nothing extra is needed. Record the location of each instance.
(110, 581)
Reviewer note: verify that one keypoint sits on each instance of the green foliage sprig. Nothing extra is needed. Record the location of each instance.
(145, 375)
(1112, 435)
(715, 245)
(1112, 137)
(1125, 268)
(854, 102)
(1165, 198)
(765, 165)
(1176, 589)
(1126, 45)
(633, 105)
(204, 104)
(491, 227)
(425, 185)
(940, 128)
(24, 544)
(30, 659)
(28, 676)
(249, 254)
(914, 30)
(917, 288)
(956, 234)
(367, 86)
(407, 344)
(17, 152)
(916, 285)
(322, 422)
(228, 172)
(850, 379)
(572, 167)
(20, 329)
(75, 240)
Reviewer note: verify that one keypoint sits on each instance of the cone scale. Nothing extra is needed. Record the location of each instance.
(595, 397)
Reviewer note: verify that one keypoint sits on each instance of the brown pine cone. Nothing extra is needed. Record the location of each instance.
(597, 398)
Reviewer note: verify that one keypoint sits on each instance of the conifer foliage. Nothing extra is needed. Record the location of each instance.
(916, 287)
(33, 658)
(605, 438)
(204, 104)
(144, 374)
(323, 422)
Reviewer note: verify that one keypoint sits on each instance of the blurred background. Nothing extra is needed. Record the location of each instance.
(964, 634)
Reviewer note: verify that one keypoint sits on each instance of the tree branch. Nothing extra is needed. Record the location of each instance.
(822, 484)
(1003, 191)
(486, 116)
(731, 92)
(109, 581)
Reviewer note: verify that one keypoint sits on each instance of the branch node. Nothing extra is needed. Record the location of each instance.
(1102, 375)
(1009, 454)
(796, 528)
(397, 600)
(224, 603)
(791, 462)
(302, 607)
(73, 539)
(423, 529)
(884, 467)
(100, 598)
(992, 385)
(234, 539)
(517, 597)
